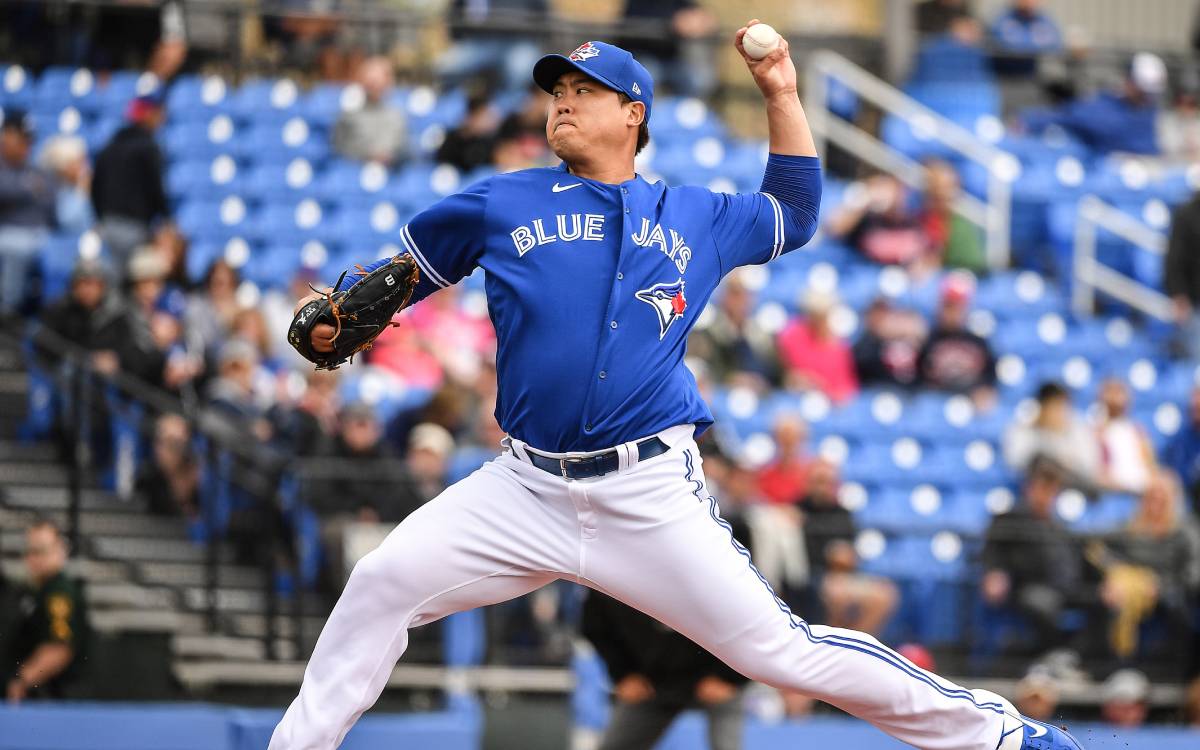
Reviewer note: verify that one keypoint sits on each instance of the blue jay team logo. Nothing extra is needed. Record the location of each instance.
(585, 51)
(668, 302)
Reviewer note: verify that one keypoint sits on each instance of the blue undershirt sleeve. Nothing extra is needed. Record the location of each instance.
(758, 227)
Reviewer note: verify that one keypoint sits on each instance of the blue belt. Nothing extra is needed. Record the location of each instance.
(598, 465)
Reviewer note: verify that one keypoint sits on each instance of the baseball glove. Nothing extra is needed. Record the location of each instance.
(359, 309)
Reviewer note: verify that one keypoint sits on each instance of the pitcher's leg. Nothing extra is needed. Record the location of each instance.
(690, 574)
(456, 552)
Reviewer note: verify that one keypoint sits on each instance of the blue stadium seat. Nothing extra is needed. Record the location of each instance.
(194, 98)
(122, 86)
(291, 222)
(16, 87)
(282, 181)
(266, 101)
(214, 221)
(323, 105)
(59, 87)
(201, 139)
(205, 179)
(352, 182)
(282, 142)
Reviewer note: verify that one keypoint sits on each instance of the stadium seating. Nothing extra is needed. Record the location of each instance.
(252, 178)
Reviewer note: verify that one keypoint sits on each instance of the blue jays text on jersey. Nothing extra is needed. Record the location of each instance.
(592, 289)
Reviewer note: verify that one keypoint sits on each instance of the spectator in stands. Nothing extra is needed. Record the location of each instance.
(232, 397)
(953, 241)
(127, 186)
(1125, 697)
(936, 16)
(465, 337)
(494, 38)
(1126, 453)
(1178, 131)
(469, 146)
(656, 675)
(851, 598)
(92, 317)
(1113, 121)
(1191, 704)
(1150, 567)
(211, 310)
(65, 157)
(429, 449)
(784, 480)
(736, 347)
(170, 480)
(669, 39)
(357, 480)
(886, 350)
(878, 222)
(1037, 694)
(156, 331)
(310, 424)
(954, 358)
(1182, 454)
(172, 247)
(526, 126)
(51, 631)
(377, 131)
(1181, 274)
(366, 480)
(813, 355)
(1020, 34)
(27, 196)
(1030, 561)
(1057, 435)
(306, 35)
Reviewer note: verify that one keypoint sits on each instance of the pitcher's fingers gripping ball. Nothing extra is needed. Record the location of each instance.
(359, 308)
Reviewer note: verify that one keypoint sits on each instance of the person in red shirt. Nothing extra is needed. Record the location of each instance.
(785, 480)
(814, 356)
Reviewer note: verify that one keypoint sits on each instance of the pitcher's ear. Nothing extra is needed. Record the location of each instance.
(637, 113)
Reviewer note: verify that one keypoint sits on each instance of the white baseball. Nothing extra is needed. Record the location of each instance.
(759, 40)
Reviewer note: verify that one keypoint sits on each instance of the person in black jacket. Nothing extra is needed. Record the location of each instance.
(1030, 560)
(657, 674)
(127, 182)
(1181, 274)
(953, 358)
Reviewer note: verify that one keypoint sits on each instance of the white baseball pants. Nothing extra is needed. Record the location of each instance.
(649, 535)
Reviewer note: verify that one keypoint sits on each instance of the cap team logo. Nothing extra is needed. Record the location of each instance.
(585, 51)
(668, 303)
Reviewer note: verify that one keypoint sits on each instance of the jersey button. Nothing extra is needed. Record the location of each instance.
(612, 324)
(625, 191)
(620, 276)
(587, 428)
(627, 209)
(603, 374)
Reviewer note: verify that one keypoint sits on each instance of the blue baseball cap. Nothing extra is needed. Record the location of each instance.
(616, 68)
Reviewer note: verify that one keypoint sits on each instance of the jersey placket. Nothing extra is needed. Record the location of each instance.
(611, 327)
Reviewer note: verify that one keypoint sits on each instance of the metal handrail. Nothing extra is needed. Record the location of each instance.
(258, 471)
(993, 215)
(1090, 275)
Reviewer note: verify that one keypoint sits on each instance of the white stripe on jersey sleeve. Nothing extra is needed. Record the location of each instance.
(779, 233)
(422, 263)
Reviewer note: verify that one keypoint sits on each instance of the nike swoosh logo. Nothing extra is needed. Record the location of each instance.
(559, 188)
(1037, 729)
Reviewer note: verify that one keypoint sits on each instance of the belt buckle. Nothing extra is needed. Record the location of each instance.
(563, 462)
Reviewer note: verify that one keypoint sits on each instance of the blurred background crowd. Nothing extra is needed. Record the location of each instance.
(919, 436)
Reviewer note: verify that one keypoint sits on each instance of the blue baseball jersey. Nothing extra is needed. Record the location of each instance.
(592, 289)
